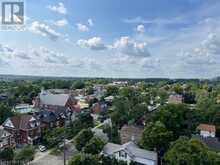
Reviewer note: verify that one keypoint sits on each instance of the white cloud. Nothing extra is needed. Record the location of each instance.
(90, 22)
(53, 56)
(208, 52)
(44, 30)
(128, 46)
(149, 63)
(94, 43)
(164, 21)
(61, 22)
(60, 8)
(140, 28)
(82, 28)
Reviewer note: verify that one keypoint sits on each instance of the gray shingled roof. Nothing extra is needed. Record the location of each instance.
(54, 99)
(132, 149)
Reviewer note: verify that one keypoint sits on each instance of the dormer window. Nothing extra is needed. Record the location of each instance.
(122, 154)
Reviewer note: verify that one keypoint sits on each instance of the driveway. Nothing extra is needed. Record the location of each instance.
(45, 158)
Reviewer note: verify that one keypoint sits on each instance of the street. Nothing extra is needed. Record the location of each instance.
(45, 158)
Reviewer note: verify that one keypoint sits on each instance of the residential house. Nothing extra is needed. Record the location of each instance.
(175, 99)
(53, 119)
(24, 128)
(207, 136)
(6, 139)
(50, 101)
(206, 130)
(130, 133)
(99, 107)
(130, 152)
(24, 108)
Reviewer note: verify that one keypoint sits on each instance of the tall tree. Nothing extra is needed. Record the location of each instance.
(156, 136)
(187, 151)
(82, 138)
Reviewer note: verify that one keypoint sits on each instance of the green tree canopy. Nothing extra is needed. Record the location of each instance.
(82, 138)
(94, 146)
(187, 151)
(84, 159)
(156, 136)
(7, 154)
(26, 154)
(5, 112)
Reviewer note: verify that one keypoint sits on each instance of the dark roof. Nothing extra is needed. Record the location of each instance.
(212, 142)
(20, 122)
(51, 116)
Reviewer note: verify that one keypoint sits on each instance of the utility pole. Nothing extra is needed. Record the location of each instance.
(64, 150)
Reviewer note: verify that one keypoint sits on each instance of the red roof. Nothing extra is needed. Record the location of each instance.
(206, 127)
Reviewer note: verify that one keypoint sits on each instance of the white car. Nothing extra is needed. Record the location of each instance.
(42, 148)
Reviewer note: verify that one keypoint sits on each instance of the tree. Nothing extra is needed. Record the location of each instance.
(26, 154)
(53, 137)
(7, 154)
(86, 120)
(112, 91)
(156, 136)
(84, 159)
(177, 118)
(94, 146)
(187, 151)
(5, 112)
(78, 85)
(82, 138)
(121, 108)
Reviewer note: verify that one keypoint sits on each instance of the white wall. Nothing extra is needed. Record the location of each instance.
(207, 134)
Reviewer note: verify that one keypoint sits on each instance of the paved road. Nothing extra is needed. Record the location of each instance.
(45, 158)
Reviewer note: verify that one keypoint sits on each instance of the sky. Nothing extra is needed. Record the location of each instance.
(115, 38)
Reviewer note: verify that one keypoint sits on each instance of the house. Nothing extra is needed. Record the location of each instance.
(130, 133)
(53, 119)
(212, 142)
(6, 139)
(24, 108)
(24, 128)
(99, 107)
(50, 101)
(207, 136)
(109, 99)
(130, 152)
(206, 130)
(175, 99)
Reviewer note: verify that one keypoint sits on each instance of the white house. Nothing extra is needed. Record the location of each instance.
(206, 130)
(130, 152)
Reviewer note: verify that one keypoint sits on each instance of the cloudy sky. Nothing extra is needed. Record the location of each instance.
(112, 38)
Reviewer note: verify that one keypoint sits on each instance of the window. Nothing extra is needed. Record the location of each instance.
(122, 154)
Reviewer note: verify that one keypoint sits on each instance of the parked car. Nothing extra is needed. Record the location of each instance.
(42, 148)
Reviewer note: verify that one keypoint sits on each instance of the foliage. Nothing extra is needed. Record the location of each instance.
(78, 85)
(5, 112)
(112, 133)
(187, 151)
(7, 154)
(156, 136)
(84, 159)
(82, 138)
(26, 154)
(94, 146)
(112, 91)
(53, 137)
(177, 118)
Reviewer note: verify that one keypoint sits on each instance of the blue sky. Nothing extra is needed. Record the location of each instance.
(112, 38)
